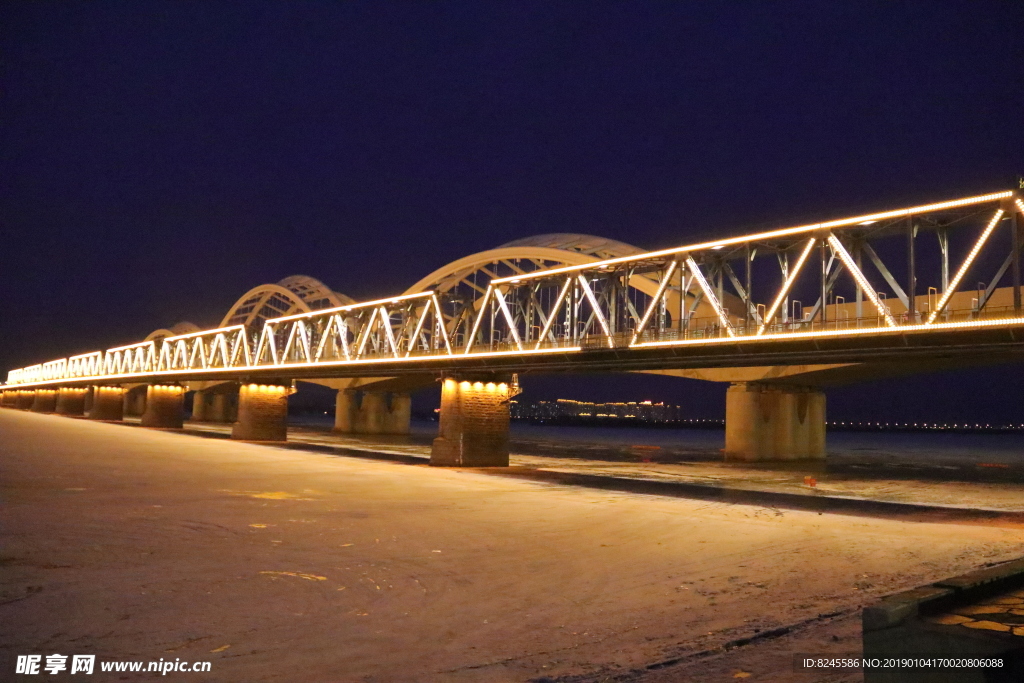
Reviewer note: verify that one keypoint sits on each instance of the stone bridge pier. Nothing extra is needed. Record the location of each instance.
(216, 404)
(164, 406)
(372, 412)
(135, 400)
(45, 401)
(71, 401)
(262, 411)
(773, 422)
(473, 429)
(107, 403)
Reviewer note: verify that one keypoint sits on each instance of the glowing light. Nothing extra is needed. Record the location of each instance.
(655, 301)
(554, 312)
(479, 319)
(847, 260)
(710, 296)
(508, 317)
(966, 201)
(349, 307)
(786, 286)
(867, 331)
(967, 264)
(597, 310)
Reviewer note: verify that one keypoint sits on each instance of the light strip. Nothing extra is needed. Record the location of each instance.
(786, 286)
(879, 331)
(440, 324)
(597, 310)
(416, 333)
(554, 312)
(963, 269)
(351, 307)
(508, 317)
(847, 260)
(205, 332)
(283, 366)
(479, 319)
(980, 199)
(129, 347)
(710, 296)
(657, 297)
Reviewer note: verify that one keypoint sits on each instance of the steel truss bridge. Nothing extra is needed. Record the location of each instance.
(941, 280)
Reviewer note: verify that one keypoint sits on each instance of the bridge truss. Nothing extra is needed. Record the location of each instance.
(938, 269)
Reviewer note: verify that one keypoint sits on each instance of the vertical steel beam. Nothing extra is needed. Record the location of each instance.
(911, 273)
(824, 282)
(858, 261)
(1011, 211)
(749, 303)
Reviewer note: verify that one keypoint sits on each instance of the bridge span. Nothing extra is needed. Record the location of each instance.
(780, 314)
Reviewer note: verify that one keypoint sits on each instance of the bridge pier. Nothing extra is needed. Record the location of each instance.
(374, 414)
(45, 401)
(473, 428)
(771, 422)
(71, 401)
(164, 406)
(107, 404)
(135, 400)
(211, 405)
(26, 397)
(262, 412)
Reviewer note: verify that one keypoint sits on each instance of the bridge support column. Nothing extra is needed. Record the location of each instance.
(473, 429)
(262, 413)
(765, 422)
(71, 401)
(45, 401)
(164, 406)
(107, 404)
(372, 415)
(209, 405)
(135, 401)
(26, 397)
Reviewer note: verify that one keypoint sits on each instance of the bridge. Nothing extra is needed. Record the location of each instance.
(780, 315)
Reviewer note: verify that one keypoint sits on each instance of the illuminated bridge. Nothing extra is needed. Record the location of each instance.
(779, 314)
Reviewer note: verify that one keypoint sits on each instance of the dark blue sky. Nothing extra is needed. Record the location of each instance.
(157, 159)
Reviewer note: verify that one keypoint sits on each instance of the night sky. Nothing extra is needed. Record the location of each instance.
(158, 159)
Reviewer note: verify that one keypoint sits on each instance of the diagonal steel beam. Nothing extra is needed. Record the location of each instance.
(654, 301)
(897, 290)
(948, 294)
(787, 285)
(723, 317)
(861, 280)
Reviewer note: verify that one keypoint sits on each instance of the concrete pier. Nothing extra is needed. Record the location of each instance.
(107, 403)
(26, 397)
(473, 429)
(135, 400)
(262, 413)
(71, 401)
(164, 406)
(214, 405)
(771, 422)
(45, 401)
(372, 412)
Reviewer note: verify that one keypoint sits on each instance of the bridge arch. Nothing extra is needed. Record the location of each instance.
(294, 294)
(184, 327)
(472, 273)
